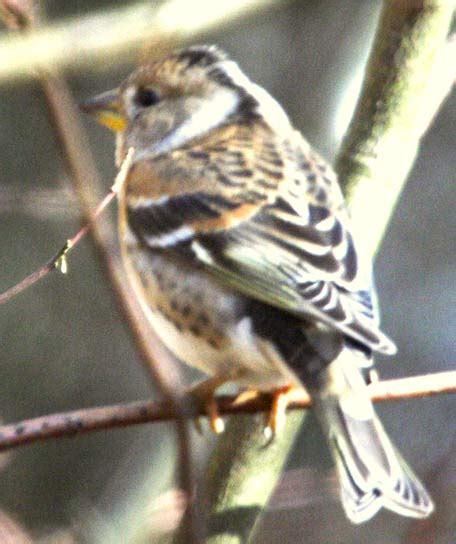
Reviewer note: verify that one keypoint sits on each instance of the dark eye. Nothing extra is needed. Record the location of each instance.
(146, 97)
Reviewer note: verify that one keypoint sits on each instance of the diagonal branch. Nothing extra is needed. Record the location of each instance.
(410, 72)
(84, 176)
(59, 262)
(400, 96)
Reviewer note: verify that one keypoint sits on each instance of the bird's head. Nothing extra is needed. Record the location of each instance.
(164, 104)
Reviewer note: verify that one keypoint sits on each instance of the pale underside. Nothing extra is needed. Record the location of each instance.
(199, 321)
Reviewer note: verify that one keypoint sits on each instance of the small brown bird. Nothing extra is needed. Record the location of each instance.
(237, 242)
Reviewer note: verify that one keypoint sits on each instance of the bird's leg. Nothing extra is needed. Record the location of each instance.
(204, 392)
(281, 398)
(373, 376)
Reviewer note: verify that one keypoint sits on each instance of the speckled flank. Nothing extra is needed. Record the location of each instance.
(184, 303)
(203, 323)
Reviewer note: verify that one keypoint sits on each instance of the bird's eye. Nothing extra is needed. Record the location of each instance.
(146, 97)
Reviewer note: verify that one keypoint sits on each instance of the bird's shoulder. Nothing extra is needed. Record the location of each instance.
(247, 161)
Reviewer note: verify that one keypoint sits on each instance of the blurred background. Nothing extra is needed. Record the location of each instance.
(64, 345)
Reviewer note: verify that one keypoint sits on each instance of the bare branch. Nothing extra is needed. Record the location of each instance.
(85, 179)
(123, 415)
(58, 262)
(109, 36)
(410, 71)
(397, 102)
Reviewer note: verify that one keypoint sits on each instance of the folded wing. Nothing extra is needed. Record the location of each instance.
(267, 219)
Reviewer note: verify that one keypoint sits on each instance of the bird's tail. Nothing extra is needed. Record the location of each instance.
(372, 473)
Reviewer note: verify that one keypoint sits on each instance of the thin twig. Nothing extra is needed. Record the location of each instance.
(59, 262)
(85, 179)
(123, 415)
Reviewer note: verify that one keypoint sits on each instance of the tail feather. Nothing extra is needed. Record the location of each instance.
(372, 473)
(415, 501)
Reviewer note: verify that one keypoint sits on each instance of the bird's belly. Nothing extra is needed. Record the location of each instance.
(203, 323)
(240, 360)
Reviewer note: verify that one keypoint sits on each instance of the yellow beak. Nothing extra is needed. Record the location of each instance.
(107, 110)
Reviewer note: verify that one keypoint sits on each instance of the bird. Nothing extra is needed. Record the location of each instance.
(237, 241)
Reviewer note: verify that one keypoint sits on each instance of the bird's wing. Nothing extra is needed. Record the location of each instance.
(263, 215)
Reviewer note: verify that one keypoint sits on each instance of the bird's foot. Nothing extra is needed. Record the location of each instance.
(204, 393)
(281, 399)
